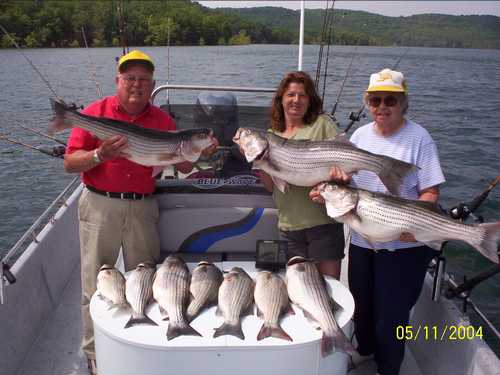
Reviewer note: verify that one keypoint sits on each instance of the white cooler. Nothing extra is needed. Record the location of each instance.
(145, 349)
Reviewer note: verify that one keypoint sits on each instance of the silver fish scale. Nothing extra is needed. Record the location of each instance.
(139, 290)
(204, 288)
(271, 298)
(111, 284)
(411, 217)
(238, 294)
(319, 300)
(302, 158)
(140, 148)
(176, 282)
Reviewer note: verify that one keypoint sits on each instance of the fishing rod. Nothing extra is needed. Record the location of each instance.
(327, 21)
(461, 212)
(168, 62)
(347, 73)
(356, 116)
(330, 40)
(29, 61)
(56, 151)
(91, 65)
(121, 26)
(42, 134)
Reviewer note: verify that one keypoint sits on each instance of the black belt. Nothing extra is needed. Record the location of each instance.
(111, 194)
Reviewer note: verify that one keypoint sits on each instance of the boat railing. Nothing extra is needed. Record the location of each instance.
(157, 90)
(31, 234)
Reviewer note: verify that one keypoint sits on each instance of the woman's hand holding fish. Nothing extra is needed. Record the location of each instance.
(210, 150)
(315, 196)
(113, 147)
(338, 175)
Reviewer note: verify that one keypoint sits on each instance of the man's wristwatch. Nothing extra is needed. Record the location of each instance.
(96, 158)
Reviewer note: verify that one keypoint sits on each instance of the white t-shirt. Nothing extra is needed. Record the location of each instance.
(412, 144)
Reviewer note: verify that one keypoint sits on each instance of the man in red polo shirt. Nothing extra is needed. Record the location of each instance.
(116, 208)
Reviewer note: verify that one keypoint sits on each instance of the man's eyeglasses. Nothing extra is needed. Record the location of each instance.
(130, 79)
(389, 101)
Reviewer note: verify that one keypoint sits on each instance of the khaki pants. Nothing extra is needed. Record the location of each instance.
(106, 224)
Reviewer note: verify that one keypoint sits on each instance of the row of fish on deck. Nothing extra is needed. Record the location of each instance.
(182, 296)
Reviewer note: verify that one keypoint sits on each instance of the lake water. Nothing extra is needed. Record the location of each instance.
(454, 94)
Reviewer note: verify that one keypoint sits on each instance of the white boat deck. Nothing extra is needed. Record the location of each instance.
(57, 351)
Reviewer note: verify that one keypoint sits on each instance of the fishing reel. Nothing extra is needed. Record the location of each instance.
(462, 212)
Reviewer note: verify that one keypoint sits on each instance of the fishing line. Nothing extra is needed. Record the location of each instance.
(347, 73)
(91, 65)
(330, 40)
(41, 133)
(29, 61)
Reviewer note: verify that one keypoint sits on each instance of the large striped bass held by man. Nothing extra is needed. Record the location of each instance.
(307, 163)
(307, 289)
(380, 217)
(148, 147)
(139, 293)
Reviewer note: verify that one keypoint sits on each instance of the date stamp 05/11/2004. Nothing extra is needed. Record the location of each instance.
(438, 333)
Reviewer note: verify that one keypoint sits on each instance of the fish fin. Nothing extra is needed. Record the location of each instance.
(163, 313)
(188, 152)
(167, 156)
(311, 318)
(338, 342)
(280, 184)
(393, 172)
(218, 311)
(230, 329)
(136, 321)
(258, 313)
(343, 138)
(269, 331)
(288, 310)
(486, 242)
(157, 169)
(174, 331)
(435, 245)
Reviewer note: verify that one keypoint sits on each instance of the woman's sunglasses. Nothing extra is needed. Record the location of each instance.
(389, 101)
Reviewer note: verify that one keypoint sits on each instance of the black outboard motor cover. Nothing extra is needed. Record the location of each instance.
(219, 112)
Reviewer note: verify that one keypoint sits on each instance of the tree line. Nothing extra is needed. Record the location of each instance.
(56, 23)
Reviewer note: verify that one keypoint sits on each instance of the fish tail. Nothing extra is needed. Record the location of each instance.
(270, 331)
(133, 321)
(393, 172)
(174, 331)
(338, 342)
(59, 122)
(486, 242)
(230, 329)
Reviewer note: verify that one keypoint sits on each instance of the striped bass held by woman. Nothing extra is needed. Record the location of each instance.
(149, 147)
(307, 163)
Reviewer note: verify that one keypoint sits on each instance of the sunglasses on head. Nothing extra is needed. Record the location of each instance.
(389, 101)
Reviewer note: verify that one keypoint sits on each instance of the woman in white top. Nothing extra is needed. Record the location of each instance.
(386, 278)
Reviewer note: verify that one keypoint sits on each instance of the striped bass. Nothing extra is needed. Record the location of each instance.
(111, 286)
(171, 291)
(381, 218)
(235, 297)
(138, 290)
(272, 301)
(149, 147)
(307, 289)
(204, 288)
(307, 163)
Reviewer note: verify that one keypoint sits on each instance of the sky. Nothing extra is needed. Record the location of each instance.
(386, 8)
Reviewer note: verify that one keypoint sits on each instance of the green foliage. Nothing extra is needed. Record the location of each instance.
(58, 23)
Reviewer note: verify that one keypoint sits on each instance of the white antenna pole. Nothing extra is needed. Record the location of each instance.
(301, 35)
